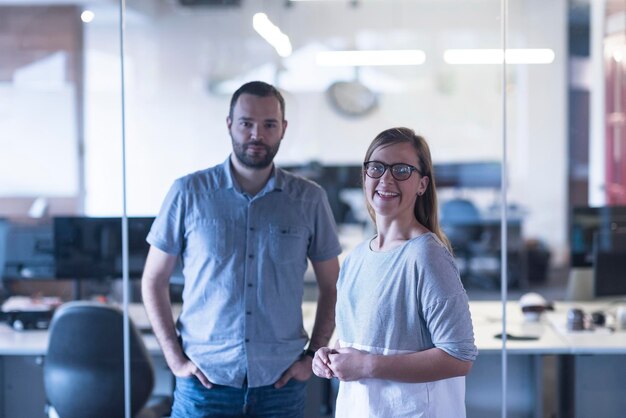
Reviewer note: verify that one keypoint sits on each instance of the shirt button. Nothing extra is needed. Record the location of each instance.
(248, 313)
(250, 255)
(247, 340)
(249, 284)
(251, 228)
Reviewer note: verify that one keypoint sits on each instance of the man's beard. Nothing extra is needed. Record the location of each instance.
(252, 161)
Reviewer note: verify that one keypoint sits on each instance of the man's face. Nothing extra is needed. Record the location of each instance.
(256, 129)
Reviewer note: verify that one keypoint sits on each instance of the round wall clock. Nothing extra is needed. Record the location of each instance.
(351, 98)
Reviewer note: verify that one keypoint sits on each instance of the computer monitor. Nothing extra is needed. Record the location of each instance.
(333, 179)
(28, 251)
(481, 174)
(91, 248)
(585, 223)
(609, 264)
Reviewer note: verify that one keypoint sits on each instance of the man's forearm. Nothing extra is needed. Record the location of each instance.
(159, 309)
(326, 273)
(324, 320)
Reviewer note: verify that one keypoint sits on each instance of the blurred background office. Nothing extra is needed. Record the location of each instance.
(432, 65)
(61, 109)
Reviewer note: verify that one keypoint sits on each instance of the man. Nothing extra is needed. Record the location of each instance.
(244, 230)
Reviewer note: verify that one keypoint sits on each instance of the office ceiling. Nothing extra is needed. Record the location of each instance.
(218, 42)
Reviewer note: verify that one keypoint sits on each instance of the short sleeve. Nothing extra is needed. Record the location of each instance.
(450, 325)
(324, 243)
(167, 231)
(446, 307)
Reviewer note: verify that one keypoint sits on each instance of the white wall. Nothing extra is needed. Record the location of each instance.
(38, 140)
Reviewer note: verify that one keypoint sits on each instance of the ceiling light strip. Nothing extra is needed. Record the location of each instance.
(494, 56)
(371, 58)
(272, 34)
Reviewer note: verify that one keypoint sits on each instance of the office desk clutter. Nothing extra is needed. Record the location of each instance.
(590, 318)
(533, 305)
(23, 312)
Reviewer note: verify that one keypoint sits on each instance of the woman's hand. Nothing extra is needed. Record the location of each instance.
(321, 363)
(348, 364)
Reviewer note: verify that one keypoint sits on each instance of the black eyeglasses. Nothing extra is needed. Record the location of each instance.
(400, 171)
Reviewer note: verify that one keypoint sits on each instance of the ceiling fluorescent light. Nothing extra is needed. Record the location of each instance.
(371, 58)
(494, 56)
(336, 1)
(272, 34)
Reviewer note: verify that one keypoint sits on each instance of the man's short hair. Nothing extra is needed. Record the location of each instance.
(257, 88)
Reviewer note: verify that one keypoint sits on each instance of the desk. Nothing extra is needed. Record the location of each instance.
(580, 357)
(593, 372)
(528, 363)
(585, 372)
(35, 342)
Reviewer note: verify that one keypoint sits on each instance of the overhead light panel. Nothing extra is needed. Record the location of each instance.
(371, 58)
(337, 1)
(272, 34)
(210, 3)
(495, 56)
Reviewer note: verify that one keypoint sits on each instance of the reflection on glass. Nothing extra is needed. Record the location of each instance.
(195, 57)
(57, 106)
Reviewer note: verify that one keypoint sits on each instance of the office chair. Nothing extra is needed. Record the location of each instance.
(84, 365)
(462, 223)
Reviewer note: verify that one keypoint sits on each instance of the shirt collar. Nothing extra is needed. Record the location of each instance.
(229, 180)
(277, 178)
(275, 182)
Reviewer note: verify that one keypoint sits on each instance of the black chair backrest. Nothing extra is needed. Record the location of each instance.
(84, 365)
(461, 222)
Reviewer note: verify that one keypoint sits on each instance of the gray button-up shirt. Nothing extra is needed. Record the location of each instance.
(244, 260)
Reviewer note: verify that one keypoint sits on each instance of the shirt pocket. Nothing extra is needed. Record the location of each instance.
(215, 236)
(288, 243)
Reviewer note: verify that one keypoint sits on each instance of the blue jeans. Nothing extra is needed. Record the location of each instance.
(192, 400)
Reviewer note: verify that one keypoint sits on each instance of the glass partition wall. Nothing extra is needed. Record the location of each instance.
(433, 67)
(439, 71)
(60, 107)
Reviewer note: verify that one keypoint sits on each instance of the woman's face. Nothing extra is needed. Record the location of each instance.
(391, 198)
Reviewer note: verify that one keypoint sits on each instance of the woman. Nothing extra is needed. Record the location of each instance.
(405, 332)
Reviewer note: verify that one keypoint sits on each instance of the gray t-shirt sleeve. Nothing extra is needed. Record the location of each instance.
(167, 232)
(445, 306)
(450, 324)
